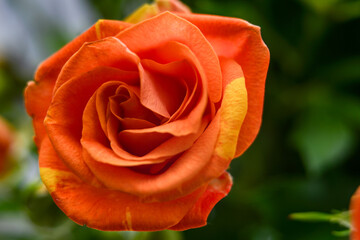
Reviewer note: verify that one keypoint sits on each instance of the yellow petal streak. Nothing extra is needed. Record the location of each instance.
(128, 218)
(53, 178)
(142, 13)
(232, 114)
(98, 29)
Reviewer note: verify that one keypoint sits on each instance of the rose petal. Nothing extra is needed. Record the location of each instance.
(64, 117)
(51, 67)
(103, 93)
(233, 108)
(160, 93)
(103, 100)
(167, 147)
(167, 27)
(131, 108)
(190, 121)
(106, 209)
(239, 40)
(96, 143)
(109, 52)
(181, 178)
(39, 92)
(38, 95)
(185, 77)
(96, 146)
(106, 28)
(197, 217)
(141, 144)
(135, 123)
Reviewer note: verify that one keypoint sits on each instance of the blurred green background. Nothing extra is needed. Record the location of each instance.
(306, 157)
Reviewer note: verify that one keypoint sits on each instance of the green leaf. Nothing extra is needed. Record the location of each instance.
(344, 233)
(341, 218)
(311, 216)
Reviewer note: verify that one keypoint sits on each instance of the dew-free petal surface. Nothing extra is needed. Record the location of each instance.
(64, 117)
(169, 27)
(217, 189)
(239, 40)
(109, 52)
(233, 108)
(38, 94)
(106, 209)
(190, 122)
(181, 178)
(161, 93)
(96, 144)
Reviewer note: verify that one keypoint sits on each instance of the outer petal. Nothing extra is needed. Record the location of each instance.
(169, 27)
(39, 92)
(237, 39)
(51, 67)
(64, 119)
(230, 116)
(64, 116)
(107, 209)
(216, 190)
(108, 52)
(355, 215)
(233, 109)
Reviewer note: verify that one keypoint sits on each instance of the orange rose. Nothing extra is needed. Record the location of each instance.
(5, 143)
(136, 124)
(355, 215)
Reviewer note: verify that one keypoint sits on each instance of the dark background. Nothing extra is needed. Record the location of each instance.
(305, 158)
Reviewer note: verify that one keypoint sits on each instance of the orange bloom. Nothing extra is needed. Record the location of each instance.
(355, 215)
(136, 122)
(5, 143)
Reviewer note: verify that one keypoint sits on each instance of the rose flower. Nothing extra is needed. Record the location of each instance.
(136, 123)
